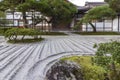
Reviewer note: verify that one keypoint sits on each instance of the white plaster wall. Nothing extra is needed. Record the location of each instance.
(115, 24)
(99, 26)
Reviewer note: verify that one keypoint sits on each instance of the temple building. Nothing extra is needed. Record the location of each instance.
(101, 25)
(94, 4)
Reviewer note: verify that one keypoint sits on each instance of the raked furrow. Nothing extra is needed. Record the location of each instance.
(1, 46)
(53, 50)
(87, 44)
(8, 53)
(66, 47)
(18, 66)
(8, 66)
(38, 51)
(31, 61)
(48, 48)
(81, 47)
(61, 48)
(41, 50)
(38, 71)
(5, 49)
(73, 47)
(11, 58)
(57, 48)
(44, 52)
(22, 72)
(84, 46)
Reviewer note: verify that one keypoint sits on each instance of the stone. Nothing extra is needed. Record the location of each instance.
(64, 70)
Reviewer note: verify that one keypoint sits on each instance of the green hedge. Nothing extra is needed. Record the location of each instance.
(13, 33)
(2, 30)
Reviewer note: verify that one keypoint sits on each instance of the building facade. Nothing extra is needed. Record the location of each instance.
(101, 25)
(16, 20)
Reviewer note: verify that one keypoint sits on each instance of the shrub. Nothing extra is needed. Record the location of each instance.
(90, 72)
(93, 72)
(13, 33)
(108, 57)
(1, 31)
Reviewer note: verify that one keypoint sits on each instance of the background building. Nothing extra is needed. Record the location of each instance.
(15, 20)
(101, 25)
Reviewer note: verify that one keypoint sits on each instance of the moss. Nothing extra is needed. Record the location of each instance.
(79, 59)
(90, 71)
(53, 33)
(26, 40)
(97, 33)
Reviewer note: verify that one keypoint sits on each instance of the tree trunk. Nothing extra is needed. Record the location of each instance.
(94, 28)
(23, 37)
(53, 25)
(25, 20)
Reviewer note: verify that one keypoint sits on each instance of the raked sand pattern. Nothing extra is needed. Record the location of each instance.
(31, 61)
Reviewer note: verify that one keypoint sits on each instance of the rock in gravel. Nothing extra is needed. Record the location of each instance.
(64, 70)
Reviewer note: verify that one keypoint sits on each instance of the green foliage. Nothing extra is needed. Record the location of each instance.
(53, 33)
(19, 5)
(4, 29)
(97, 33)
(107, 1)
(95, 45)
(29, 5)
(13, 33)
(90, 72)
(93, 72)
(78, 25)
(59, 11)
(108, 56)
(24, 7)
(100, 12)
(4, 5)
(2, 14)
(1, 31)
(115, 5)
(30, 32)
(26, 40)
(112, 49)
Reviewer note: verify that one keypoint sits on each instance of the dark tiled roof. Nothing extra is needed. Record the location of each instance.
(95, 3)
(82, 8)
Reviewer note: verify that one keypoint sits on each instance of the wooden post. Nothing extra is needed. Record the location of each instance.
(13, 18)
(42, 25)
(86, 27)
(103, 24)
(112, 25)
(118, 22)
(4, 25)
(34, 19)
(18, 23)
(95, 25)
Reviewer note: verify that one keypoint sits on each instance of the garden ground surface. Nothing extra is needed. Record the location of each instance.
(31, 61)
